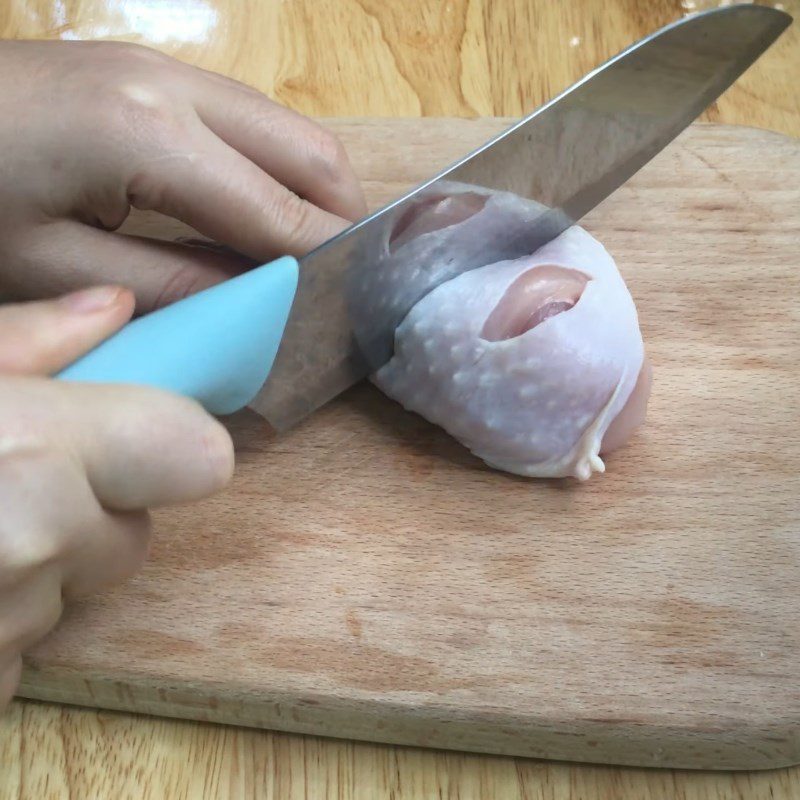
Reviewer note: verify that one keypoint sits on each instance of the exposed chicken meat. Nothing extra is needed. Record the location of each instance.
(459, 227)
(535, 364)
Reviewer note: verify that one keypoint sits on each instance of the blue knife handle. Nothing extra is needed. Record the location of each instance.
(217, 346)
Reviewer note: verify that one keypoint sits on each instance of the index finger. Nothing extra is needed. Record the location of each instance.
(220, 193)
(295, 150)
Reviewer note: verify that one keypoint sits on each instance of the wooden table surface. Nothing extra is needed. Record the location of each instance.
(364, 57)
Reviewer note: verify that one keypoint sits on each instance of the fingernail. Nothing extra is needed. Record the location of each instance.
(87, 301)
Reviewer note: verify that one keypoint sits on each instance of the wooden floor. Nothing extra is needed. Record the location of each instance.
(364, 57)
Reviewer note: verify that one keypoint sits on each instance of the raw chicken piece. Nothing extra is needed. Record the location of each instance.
(535, 364)
(456, 228)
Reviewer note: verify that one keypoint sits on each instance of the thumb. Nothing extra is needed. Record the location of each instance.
(43, 337)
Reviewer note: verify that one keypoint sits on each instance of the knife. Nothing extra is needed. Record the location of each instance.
(285, 337)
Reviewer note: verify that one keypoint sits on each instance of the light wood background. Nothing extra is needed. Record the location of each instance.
(363, 57)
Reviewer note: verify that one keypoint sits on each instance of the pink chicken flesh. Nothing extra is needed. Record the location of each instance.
(535, 364)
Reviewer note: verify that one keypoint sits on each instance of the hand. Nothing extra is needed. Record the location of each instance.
(80, 464)
(89, 129)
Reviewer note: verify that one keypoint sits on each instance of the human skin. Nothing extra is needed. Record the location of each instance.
(80, 466)
(88, 131)
(91, 129)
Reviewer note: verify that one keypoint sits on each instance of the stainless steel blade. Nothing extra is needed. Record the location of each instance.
(568, 156)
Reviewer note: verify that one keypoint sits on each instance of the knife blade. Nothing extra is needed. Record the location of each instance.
(567, 156)
(219, 346)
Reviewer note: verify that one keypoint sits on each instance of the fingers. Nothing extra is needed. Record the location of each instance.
(295, 150)
(225, 196)
(67, 255)
(110, 551)
(43, 337)
(55, 540)
(53, 523)
(201, 148)
(29, 609)
(140, 447)
(58, 534)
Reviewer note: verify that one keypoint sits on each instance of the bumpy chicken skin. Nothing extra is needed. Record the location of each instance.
(535, 364)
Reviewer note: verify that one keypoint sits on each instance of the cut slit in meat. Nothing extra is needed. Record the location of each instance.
(433, 214)
(542, 293)
(536, 364)
(537, 295)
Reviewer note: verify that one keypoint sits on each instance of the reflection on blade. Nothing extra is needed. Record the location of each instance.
(450, 228)
(566, 157)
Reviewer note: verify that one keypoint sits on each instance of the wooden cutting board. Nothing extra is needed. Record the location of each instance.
(365, 577)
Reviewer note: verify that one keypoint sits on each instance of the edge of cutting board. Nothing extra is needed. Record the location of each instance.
(769, 745)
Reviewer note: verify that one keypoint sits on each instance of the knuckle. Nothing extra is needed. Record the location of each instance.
(24, 551)
(186, 280)
(294, 217)
(134, 83)
(29, 469)
(20, 441)
(128, 86)
(150, 183)
(144, 131)
(142, 103)
(329, 156)
(125, 51)
(140, 53)
(139, 109)
(146, 189)
(25, 461)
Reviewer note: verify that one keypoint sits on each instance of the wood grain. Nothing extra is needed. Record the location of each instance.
(50, 752)
(365, 577)
(416, 57)
(466, 57)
